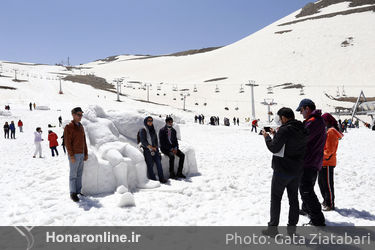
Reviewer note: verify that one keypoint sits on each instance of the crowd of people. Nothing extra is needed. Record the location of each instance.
(302, 153)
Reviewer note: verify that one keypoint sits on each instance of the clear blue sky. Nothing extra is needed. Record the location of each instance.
(48, 31)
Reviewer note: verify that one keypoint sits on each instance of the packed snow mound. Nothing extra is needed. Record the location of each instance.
(115, 161)
(42, 107)
(5, 113)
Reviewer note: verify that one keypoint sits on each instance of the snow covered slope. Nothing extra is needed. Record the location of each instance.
(322, 51)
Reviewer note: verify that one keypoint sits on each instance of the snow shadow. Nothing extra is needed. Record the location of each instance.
(354, 213)
(87, 203)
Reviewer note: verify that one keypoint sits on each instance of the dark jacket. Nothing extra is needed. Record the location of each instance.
(6, 127)
(143, 135)
(316, 131)
(293, 135)
(12, 127)
(165, 144)
(75, 139)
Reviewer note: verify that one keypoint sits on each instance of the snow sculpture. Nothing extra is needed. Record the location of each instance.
(115, 162)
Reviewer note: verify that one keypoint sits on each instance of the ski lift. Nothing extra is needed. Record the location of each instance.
(343, 91)
(270, 90)
(301, 92)
(217, 90)
(195, 88)
(242, 90)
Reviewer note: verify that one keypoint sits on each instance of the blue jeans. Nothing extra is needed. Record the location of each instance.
(75, 174)
(150, 164)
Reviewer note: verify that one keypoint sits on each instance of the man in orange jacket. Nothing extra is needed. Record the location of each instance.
(325, 178)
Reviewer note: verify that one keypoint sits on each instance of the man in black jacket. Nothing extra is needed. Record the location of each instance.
(288, 146)
(169, 147)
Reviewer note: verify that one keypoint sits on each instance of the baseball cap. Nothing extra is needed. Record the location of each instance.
(304, 103)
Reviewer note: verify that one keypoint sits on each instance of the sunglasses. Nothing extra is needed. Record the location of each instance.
(149, 120)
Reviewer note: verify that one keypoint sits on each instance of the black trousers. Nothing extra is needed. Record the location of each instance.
(13, 134)
(254, 127)
(6, 134)
(310, 202)
(53, 150)
(326, 185)
(171, 160)
(279, 183)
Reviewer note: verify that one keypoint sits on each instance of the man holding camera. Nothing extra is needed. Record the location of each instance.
(288, 145)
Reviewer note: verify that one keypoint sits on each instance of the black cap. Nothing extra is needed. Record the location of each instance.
(76, 110)
(304, 103)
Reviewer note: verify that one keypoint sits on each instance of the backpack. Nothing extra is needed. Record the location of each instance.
(139, 136)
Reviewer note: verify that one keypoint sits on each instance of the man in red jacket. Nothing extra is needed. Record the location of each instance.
(52, 138)
(20, 125)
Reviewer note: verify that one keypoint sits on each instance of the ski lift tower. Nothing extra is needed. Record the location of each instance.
(269, 103)
(184, 95)
(252, 85)
(118, 82)
(60, 91)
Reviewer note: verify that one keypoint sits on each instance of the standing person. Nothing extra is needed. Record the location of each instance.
(20, 125)
(34, 105)
(6, 130)
(340, 125)
(238, 121)
(234, 120)
(63, 143)
(218, 121)
(169, 147)
(12, 128)
(37, 141)
(315, 127)
(149, 143)
(195, 118)
(31, 106)
(52, 138)
(325, 179)
(60, 121)
(288, 145)
(75, 142)
(202, 119)
(254, 125)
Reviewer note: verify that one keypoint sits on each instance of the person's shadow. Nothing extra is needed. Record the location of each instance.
(87, 203)
(354, 213)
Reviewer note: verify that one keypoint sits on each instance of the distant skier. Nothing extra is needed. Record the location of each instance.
(20, 125)
(52, 138)
(63, 143)
(12, 129)
(31, 106)
(37, 141)
(195, 118)
(238, 121)
(6, 130)
(60, 121)
(200, 119)
(34, 105)
(234, 120)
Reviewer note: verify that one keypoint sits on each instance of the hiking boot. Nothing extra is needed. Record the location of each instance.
(310, 223)
(163, 181)
(74, 197)
(180, 175)
(328, 208)
(172, 175)
(270, 231)
(303, 212)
